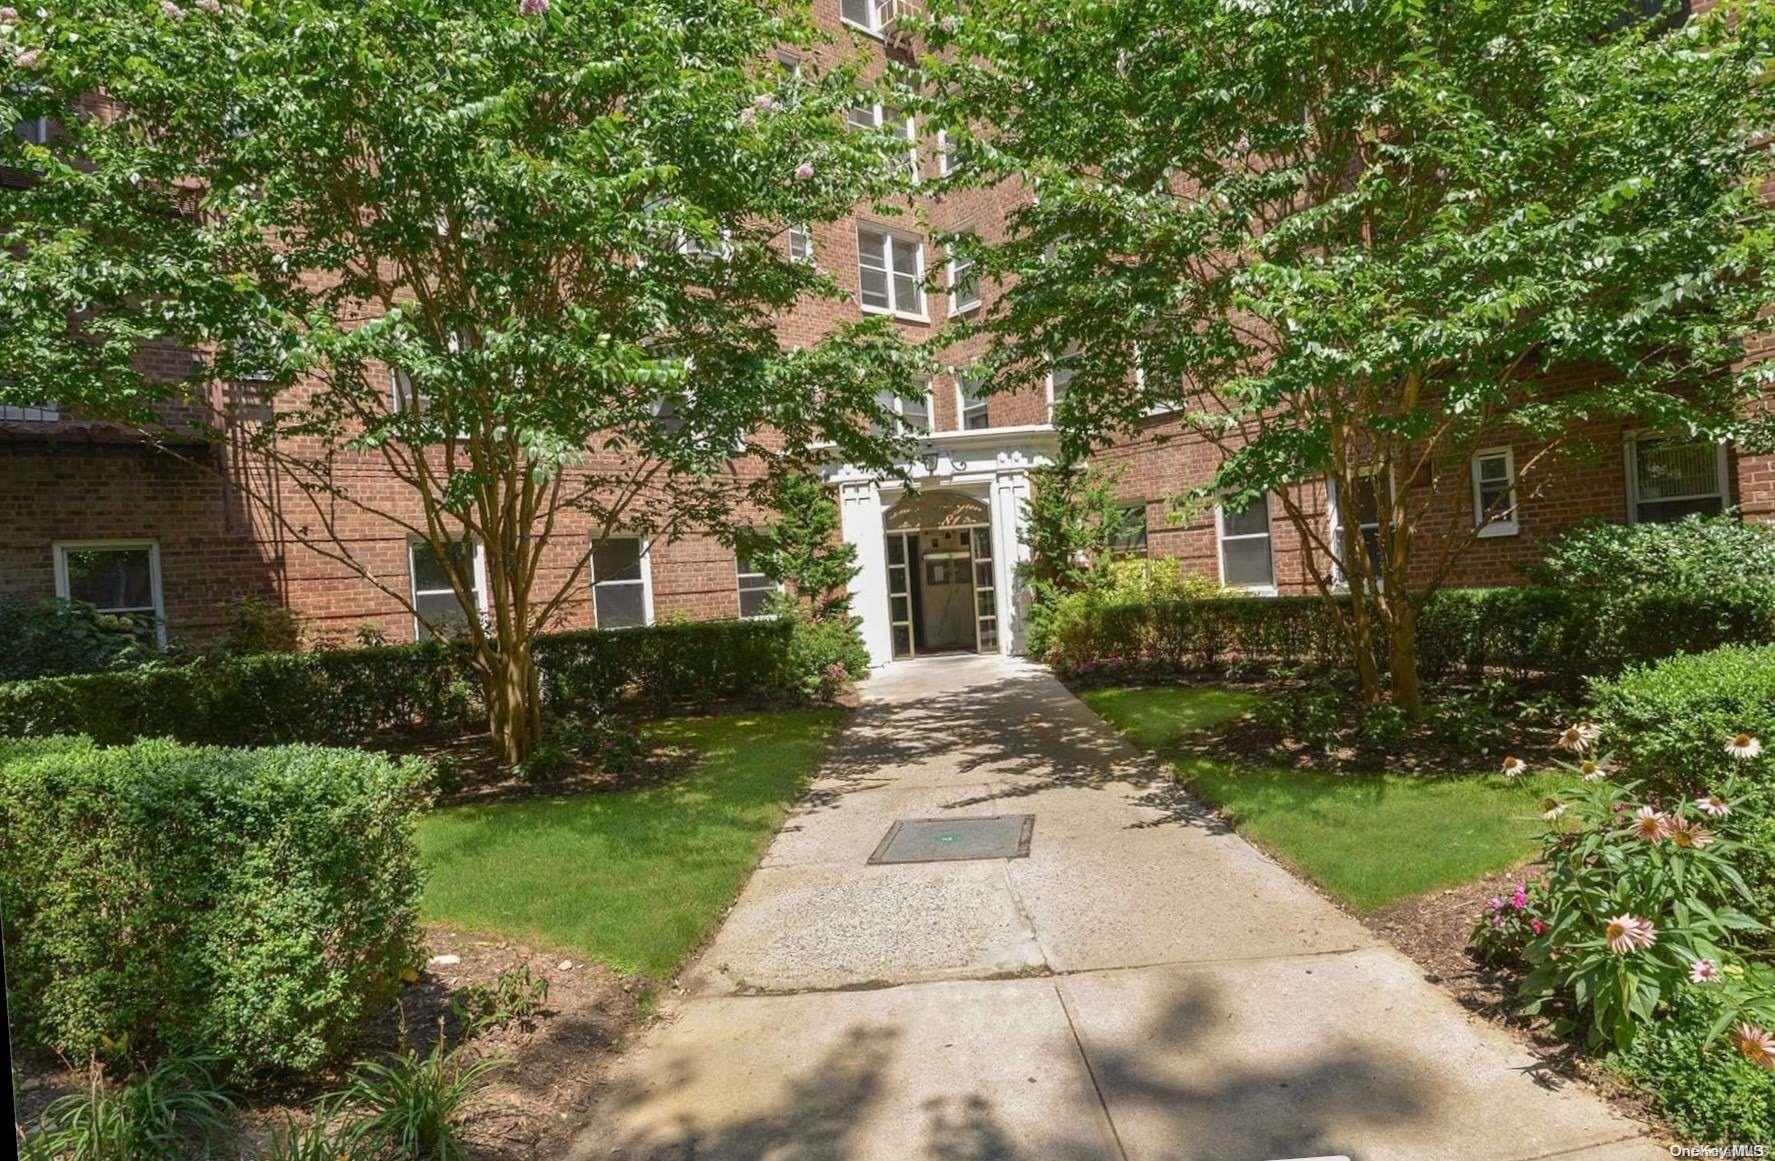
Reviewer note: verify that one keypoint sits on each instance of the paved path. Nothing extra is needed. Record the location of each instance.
(1142, 985)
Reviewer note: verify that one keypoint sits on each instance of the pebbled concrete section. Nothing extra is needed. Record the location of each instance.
(1144, 985)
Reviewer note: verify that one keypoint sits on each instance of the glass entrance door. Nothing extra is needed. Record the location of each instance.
(901, 547)
(985, 590)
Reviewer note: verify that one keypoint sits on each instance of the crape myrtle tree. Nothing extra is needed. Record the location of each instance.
(524, 257)
(1348, 242)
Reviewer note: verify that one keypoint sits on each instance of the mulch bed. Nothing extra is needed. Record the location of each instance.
(533, 1105)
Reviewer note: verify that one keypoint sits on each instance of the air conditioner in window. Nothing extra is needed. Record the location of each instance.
(895, 19)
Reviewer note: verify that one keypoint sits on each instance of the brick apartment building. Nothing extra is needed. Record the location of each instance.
(88, 511)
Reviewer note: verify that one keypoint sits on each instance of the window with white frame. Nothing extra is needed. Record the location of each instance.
(863, 14)
(755, 586)
(1244, 534)
(890, 272)
(1061, 370)
(1494, 492)
(622, 590)
(1363, 510)
(801, 244)
(47, 413)
(964, 287)
(1668, 479)
(437, 611)
(912, 415)
(971, 402)
(120, 577)
(879, 116)
(403, 396)
(1128, 538)
(951, 155)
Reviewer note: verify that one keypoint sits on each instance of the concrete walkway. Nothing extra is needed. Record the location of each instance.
(1142, 985)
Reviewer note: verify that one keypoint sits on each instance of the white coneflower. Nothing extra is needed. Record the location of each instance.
(1629, 933)
(1651, 825)
(1704, 971)
(1744, 747)
(1552, 808)
(1713, 804)
(1513, 766)
(1579, 737)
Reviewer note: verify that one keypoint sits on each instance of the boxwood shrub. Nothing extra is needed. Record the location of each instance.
(1559, 635)
(349, 696)
(251, 905)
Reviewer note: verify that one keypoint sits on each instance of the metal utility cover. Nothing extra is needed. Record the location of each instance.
(940, 840)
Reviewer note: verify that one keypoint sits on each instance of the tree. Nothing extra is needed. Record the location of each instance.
(1349, 243)
(1073, 520)
(525, 258)
(801, 547)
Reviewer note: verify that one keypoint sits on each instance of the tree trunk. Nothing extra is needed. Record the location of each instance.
(1368, 673)
(514, 702)
(1402, 660)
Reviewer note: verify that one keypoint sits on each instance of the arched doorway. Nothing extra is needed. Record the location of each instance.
(941, 587)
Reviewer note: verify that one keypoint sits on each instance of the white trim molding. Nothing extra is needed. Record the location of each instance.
(1508, 521)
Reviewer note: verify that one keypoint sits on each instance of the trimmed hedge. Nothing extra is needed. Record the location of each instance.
(252, 905)
(348, 696)
(1561, 635)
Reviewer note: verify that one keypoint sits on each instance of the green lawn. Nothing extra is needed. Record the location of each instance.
(1370, 840)
(635, 878)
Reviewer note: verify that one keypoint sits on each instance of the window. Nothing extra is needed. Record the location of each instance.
(121, 577)
(859, 13)
(434, 600)
(964, 288)
(1129, 536)
(622, 588)
(47, 413)
(801, 244)
(878, 116)
(755, 587)
(1061, 372)
(951, 155)
(34, 129)
(1244, 533)
(1364, 508)
(1494, 492)
(914, 415)
(1668, 479)
(970, 402)
(404, 397)
(890, 271)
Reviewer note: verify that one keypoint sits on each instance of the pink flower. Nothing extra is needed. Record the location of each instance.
(804, 171)
(1651, 825)
(27, 58)
(1497, 902)
(1688, 834)
(1755, 1045)
(213, 7)
(1713, 804)
(532, 7)
(1519, 897)
(8, 15)
(1629, 933)
(1537, 926)
(764, 102)
(1704, 971)
(748, 117)
(171, 11)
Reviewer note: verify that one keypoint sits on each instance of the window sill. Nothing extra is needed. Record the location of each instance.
(965, 307)
(1492, 531)
(871, 33)
(1253, 590)
(903, 316)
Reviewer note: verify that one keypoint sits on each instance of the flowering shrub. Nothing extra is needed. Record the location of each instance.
(1506, 926)
(1638, 899)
